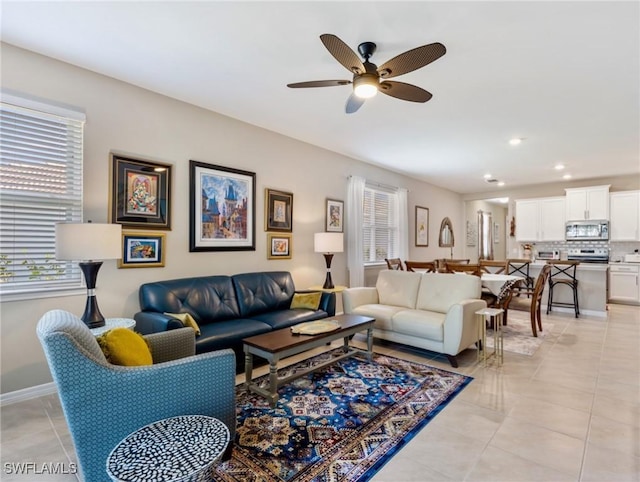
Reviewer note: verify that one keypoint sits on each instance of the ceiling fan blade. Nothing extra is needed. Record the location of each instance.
(411, 60)
(403, 91)
(319, 83)
(342, 53)
(353, 103)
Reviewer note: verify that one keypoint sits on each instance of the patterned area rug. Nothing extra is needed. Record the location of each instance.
(341, 423)
(517, 334)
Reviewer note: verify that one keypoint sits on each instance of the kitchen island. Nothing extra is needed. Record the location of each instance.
(592, 289)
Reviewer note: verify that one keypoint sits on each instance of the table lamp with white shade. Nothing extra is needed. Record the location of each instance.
(328, 243)
(90, 243)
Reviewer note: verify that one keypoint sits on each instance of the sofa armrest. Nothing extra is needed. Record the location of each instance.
(153, 322)
(354, 297)
(172, 345)
(461, 325)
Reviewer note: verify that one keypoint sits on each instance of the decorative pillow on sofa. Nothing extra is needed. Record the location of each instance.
(310, 301)
(187, 320)
(122, 346)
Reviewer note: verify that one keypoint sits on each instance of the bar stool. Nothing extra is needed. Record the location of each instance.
(563, 273)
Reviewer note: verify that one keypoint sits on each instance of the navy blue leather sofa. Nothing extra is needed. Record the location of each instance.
(226, 308)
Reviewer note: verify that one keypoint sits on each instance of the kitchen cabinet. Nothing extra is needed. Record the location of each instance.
(540, 219)
(625, 216)
(624, 284)
(587, 203)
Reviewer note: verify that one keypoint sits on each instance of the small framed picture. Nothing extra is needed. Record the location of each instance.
(422, 226)
(140, 193)
(142, 250)
(278, 214)
(279, 246)
(334, 215)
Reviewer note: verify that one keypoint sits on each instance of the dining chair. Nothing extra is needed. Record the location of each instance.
(563, 273)
(394, 263)
(533, 303)
(451, 267)
(492, 266)
(426, 266)
(520, 267)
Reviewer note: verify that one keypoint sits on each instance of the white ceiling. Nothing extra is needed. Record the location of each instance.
(564, 76)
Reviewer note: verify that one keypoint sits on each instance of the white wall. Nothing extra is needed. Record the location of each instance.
(126, 119)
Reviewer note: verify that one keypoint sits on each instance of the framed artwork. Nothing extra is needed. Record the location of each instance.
(142, 250)
(422, 226)
(472, 233)
(140, 193)
(334, 216)
(222, 206)
(278, 207)
(496, 233)
(279, 246)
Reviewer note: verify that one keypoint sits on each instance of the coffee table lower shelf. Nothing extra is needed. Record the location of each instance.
(280, 344)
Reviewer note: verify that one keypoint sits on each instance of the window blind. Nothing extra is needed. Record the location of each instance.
(40, 185)
(380, 229)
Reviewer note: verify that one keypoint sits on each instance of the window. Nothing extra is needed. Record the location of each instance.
(380, 225)
(40, 185)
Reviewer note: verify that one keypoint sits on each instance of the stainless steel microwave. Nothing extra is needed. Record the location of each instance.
(587, 231)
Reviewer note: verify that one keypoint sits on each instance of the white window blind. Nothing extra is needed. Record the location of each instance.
(40, 185)
(380, 228)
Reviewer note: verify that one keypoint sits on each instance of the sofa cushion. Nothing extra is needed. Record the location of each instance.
(207, 298)
(309, 301)
(286, 318)
(381, 313)
(438, 291)
(122, 346)
(187, 320)
(261, 292)
(228, 334)
(398, 288)
(420, 323)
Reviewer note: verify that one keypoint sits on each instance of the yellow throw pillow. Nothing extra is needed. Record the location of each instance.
(122, 346)
(310, 301)
(187, 320)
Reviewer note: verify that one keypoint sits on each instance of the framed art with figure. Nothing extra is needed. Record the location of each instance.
(278, 206)
(422, 226)
(334, 214)
(140, 193)
(142, 250)
(222, 206)
(279, 246)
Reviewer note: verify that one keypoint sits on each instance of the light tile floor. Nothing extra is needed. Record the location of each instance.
(570, 412)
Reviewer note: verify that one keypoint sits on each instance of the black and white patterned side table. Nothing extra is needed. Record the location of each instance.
(184, 448)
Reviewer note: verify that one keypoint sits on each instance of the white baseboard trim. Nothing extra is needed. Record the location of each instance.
(562, 309)
(27, 393)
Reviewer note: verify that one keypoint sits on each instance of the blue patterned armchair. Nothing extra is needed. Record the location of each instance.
(104, 403)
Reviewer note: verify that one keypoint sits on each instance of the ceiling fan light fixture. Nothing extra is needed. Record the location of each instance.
(365, 86)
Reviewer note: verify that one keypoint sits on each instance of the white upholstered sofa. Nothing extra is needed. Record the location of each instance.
(433, 311)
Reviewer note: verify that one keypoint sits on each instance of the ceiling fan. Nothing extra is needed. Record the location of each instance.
(368, 78)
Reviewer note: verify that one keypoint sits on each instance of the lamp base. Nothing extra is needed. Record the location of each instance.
(328, 282)
(91, 316)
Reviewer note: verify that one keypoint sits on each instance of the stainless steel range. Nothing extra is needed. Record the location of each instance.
(589, 255)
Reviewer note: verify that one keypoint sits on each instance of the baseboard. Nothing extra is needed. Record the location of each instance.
(562, 309)
(27, 393)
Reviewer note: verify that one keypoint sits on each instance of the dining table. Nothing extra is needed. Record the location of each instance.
(500, 284)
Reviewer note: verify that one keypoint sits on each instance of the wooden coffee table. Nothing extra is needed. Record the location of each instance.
(279, 344)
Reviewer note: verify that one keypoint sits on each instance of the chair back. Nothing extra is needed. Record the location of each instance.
(473, 269)
(492, 266)
(562, 271)
(426, 266)
(539, 286)
(394, 263)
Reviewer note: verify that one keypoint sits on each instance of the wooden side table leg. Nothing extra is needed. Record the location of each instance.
(248, 367)
(370, 344)
(273, 383)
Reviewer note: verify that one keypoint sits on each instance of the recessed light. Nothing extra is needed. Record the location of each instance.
(566, 176)
(501, 183)
(515, 141)
(559, 167)
(487, 176)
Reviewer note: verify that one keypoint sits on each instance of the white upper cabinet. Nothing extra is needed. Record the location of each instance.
(587, 203)
(540, 219)
(625, 216)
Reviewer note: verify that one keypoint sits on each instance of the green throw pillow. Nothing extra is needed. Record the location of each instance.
(122, 346)
(310, 301)
(187, 320)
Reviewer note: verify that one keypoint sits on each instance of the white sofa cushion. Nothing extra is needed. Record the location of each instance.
(423, 324)
(438, 291)
(382, 313)
(398, 288)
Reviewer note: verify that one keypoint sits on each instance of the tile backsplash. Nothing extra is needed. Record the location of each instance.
(617, 249)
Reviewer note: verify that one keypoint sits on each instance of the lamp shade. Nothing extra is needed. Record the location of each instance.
(328, 243)
(88, 241)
